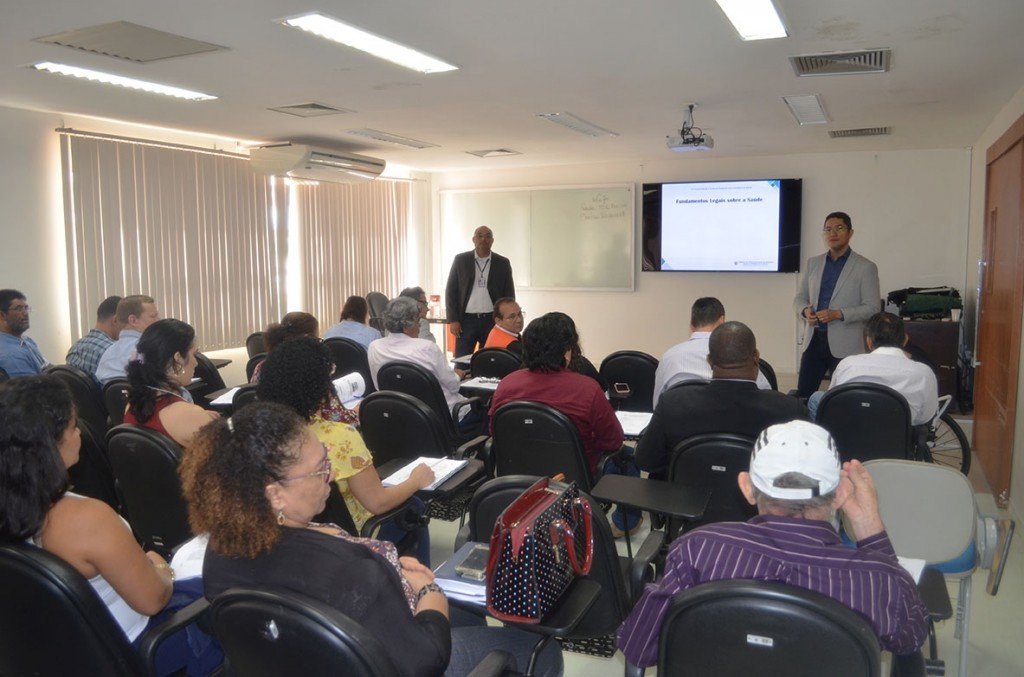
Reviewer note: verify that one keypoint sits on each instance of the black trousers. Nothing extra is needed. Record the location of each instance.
(815, 361)
(474, 330)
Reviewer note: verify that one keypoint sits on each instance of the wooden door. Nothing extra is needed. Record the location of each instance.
(1000, 307)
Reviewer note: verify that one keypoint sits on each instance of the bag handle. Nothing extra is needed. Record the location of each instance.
(559, 530)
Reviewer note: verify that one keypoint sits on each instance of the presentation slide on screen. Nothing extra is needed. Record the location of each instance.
(720, 226)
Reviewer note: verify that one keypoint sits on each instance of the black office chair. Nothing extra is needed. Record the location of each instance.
(244, 395)
(769, 373)
(115, 397)
(494, 363)
(85, 392)
(93, 476)
(349, 357)
(254, 344)
(52, 622)
(530, 438)
(412, 379)
(713, 461)
(336, 512)
(636, 369)
(250, 366)
(376, 302)
(741, 628)
(146, 467)
(212, 380)
(867, 421)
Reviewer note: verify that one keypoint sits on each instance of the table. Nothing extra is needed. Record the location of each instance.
(219, 362)
(481, 386)
(210, 397)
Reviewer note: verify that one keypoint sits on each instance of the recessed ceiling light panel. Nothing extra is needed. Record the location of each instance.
(374, 45)
(754, 19)
(390, 138)
(121, 81)
(576, 124)
(807, 109)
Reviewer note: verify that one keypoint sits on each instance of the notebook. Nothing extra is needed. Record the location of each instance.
(443, 469)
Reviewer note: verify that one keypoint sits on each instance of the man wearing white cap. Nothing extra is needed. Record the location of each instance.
(797, 483)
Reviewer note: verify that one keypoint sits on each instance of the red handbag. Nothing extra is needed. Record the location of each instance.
(540, 543)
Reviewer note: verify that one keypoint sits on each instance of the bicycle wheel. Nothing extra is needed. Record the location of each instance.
(950, 447)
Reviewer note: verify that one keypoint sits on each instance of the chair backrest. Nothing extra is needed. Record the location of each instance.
(244, 395)
(398, 425)
(268, 632)
(209, 373)
(115, 396)
(769, 373)
(376, 302)
(350, 356)
(85, 392)
(53, 623)
(93, 475)
(530, 438)
(146, 467)
(928, 509)
(412, 379)
(254, 344)
(867, 421)
(250, 366)
(755, 628)
(494, 363)
(714, 461)
(636, 369)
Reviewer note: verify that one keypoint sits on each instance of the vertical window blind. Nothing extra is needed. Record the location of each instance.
(197, 230)
(353, 240)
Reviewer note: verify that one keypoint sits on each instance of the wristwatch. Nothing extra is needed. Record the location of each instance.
(429, 587)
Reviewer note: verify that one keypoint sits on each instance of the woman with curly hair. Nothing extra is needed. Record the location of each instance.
(164, 364)
(298, 375)
(254, 481)
(292, 325)
(39, 441)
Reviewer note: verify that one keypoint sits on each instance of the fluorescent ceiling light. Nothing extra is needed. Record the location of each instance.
(754, 19)
(576, 124)
(806, 109)
(121, 81)
(390, 138)
(357, 38)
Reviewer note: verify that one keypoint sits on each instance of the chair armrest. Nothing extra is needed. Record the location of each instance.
(616, 456)
(462, 536)
(371, 525)
(641, 563)
(634, 670)
(459, 405)
(495, 664)
(474, 445)
(176, 621)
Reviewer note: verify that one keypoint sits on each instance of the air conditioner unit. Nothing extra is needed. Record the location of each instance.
(300, 161)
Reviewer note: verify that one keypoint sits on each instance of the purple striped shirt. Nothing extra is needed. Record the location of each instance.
(801, 552)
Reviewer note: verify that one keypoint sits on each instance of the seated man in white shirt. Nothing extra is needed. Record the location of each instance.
(887, 364)
(688, 361)
(134, 313)
(402, 320)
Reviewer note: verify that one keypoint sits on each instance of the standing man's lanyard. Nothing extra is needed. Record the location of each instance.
(482, 280)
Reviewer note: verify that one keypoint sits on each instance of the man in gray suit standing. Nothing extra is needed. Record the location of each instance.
(838, 293)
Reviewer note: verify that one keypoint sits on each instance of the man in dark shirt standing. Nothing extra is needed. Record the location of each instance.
(477, 279)
(838, 292)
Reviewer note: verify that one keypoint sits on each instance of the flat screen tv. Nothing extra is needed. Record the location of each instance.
(723, 226)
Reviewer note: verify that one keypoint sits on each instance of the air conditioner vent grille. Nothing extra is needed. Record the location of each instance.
(863, 131)
(309, 110)
(843, 63)
(494, 152)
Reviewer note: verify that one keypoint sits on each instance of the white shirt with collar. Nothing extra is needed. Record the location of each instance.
(480, 299)
(688, 361)
(891, 367)
(402, 348)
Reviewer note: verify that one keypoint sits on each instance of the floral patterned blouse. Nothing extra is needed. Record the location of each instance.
(349, 456)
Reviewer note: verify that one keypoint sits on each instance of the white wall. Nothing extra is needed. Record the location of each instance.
(1000, 123)
(909, 209)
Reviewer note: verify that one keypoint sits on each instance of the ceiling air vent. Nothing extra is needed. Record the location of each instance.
(125, 40)
(309, 110)
(863, 131)
(843, 63)
(494, 152)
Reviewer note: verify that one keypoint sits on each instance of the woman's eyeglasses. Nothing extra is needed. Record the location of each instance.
(324, 471)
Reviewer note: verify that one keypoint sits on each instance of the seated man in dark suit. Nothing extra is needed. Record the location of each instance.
(730, 403)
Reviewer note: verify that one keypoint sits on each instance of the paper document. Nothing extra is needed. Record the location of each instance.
(913, 566)
(481, 383)
(227, 397)
(462, 361)
(350, 388)
(443, 469)
(457, 586)
(188, 558)
(633, 422)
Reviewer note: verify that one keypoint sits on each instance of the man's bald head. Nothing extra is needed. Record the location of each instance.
(732, 351)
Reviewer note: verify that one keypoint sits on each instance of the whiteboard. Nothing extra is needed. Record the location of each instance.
(571, 238)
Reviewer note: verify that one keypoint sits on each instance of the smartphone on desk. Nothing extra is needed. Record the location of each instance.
(475, 565)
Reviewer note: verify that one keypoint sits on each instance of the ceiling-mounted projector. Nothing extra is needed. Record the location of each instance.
(689, 137)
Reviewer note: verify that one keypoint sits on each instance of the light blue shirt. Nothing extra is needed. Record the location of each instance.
(20, 356)
(357, 331)
(114, 363)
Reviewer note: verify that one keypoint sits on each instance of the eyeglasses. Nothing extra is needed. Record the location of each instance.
(19, 309)
(833, 229)
(324, 471)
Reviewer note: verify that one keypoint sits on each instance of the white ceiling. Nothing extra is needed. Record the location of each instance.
(626, 66)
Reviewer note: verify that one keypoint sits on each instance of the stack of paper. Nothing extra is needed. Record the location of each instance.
(350, 388)
(188, 558)
(633, 422)
(227, 397)
(481, 383)
(459, 587)
(443, 469)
